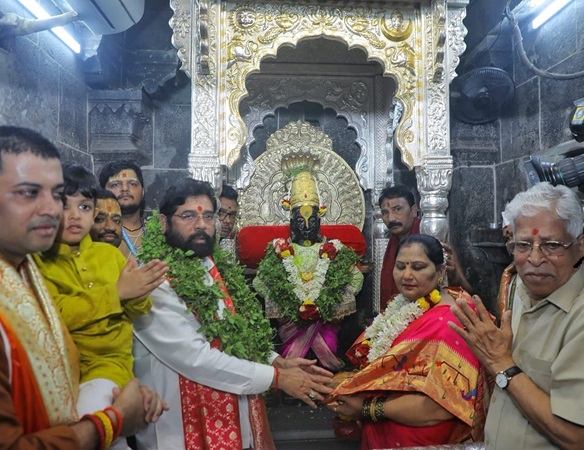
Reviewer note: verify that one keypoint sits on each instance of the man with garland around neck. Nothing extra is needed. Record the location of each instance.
(124, 178)
(308, 282)
(39, 364)
(197, 344)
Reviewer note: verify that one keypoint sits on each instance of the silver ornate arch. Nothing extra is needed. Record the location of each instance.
(220, 43)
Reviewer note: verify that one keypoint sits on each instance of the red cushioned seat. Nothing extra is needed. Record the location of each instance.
(253, 240)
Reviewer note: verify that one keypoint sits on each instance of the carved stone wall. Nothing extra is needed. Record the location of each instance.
(120, 124)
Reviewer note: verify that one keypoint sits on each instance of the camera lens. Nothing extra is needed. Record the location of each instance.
(569, 171)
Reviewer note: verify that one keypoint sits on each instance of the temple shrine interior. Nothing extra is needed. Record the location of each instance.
(462, 101)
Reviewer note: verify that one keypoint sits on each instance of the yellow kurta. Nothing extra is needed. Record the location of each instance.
(84, 287)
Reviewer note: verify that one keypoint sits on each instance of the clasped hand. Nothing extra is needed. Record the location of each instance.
(491, 344)
(303, 379)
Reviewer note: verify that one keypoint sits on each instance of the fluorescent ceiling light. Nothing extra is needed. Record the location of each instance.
(548, 12)
(535, 3)
(36, 10)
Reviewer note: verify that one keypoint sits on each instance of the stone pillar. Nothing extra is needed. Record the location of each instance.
(434, 180)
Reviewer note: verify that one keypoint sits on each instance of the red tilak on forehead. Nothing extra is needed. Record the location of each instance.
(408, 263)
(534, 232)
(199, 208)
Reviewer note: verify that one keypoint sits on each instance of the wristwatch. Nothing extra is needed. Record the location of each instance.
(502, 378)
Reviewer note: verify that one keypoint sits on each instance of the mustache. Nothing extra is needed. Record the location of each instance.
(108, 233)
(44, 222)
(199, 234)
(394, 224)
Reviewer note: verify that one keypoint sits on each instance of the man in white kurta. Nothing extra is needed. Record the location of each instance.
(167, 345)
(169, 349)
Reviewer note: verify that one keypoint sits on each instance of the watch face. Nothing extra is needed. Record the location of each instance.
(501, 380)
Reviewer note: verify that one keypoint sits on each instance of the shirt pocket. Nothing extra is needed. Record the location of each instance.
(539, 370)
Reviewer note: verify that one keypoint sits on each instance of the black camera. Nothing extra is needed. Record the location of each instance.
(569, 171)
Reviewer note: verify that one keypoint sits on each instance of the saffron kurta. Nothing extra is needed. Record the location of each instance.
(38, 365)
(84, 287)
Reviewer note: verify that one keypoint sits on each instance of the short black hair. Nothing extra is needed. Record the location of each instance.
(432, 247)
(16, 140)
(80, 180)
(114, 167)
(229, 193)
(397, 191)
(177, 195)
(104, 194)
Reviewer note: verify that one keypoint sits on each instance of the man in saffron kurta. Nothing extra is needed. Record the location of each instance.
(39, 371)
(213, 397)
(39, 374)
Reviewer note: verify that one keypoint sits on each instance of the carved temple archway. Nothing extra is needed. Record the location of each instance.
(418, 44)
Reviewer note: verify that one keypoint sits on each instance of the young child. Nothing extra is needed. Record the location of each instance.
(97, 293)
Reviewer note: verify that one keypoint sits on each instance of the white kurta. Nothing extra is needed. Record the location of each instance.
(167, 343)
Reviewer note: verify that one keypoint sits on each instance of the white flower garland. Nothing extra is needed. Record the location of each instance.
(308, 289)
(390, 324)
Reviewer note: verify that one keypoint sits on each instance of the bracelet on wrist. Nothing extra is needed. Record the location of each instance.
(119, 421)
(276, 377)
(379, 410)
(107, 427)
(366, 408)
(100, 429)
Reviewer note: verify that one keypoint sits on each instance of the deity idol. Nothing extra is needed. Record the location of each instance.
(309, 283)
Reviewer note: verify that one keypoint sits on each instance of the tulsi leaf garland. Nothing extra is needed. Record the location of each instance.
(274, 276)
(246, 334)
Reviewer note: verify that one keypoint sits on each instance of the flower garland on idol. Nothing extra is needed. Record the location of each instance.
(304, 297)
(386, 327)
(246, 334)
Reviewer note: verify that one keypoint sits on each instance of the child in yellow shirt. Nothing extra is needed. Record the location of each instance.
(97, 293)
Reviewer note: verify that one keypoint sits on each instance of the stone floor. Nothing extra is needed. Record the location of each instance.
(295, 426)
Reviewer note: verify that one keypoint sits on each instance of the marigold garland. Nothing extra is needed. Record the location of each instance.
(246, 334)
(281, 291)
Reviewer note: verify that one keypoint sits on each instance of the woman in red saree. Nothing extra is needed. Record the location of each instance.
(419, 383)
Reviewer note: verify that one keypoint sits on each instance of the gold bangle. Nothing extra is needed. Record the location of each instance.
(372, 409)
(379, 413)
(365, 408)
(107, 427)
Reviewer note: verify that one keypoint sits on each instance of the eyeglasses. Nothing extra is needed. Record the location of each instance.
(548, 248)
(223, 214)
(191, 216)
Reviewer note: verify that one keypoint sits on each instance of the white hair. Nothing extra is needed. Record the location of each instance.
(559, 200)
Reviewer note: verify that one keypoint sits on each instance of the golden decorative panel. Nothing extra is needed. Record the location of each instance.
(338, 186)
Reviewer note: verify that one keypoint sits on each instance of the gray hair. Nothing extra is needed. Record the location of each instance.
(559, 200)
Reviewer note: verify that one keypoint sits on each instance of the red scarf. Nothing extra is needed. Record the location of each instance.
(388, 287)
(211, 417)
